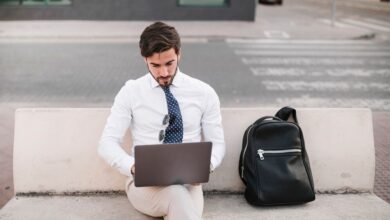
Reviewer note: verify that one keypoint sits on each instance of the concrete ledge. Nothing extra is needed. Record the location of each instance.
(55, 150)
(217, 207)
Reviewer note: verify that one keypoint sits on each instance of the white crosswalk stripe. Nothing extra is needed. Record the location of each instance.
(298, 42)
(276, 34)
(309, 61)
(305, 47)
(308, 101)
(325, 86)
(313, 53)
(364, 23)
(379, 22)
(331, 72)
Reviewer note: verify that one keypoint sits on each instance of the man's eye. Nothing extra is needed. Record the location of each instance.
(169, 64)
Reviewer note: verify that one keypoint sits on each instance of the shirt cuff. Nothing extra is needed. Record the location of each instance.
(126, 165)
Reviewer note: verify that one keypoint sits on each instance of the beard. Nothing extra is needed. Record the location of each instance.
(164, 81)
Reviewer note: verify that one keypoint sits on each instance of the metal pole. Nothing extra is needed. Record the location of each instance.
(333, 11)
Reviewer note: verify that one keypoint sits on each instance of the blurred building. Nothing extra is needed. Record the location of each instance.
(127, 9)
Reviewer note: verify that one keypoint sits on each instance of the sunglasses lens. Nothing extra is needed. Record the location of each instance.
(161, 135)
(166, 119)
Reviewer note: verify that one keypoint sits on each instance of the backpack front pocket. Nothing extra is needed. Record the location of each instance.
(281, 174)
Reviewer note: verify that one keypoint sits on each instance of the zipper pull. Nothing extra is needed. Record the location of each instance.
(260, 152)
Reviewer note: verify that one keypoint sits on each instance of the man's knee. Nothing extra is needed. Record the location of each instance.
(180, 197)
(177, 192)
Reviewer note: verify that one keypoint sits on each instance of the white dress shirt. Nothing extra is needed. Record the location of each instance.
(141, 105)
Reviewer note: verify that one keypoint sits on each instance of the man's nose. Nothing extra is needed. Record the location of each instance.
(164, 71)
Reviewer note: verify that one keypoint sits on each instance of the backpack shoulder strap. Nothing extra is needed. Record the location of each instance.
(286, 112)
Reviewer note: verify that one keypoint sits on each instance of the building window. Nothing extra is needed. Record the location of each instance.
(35, 2)
(206, 3)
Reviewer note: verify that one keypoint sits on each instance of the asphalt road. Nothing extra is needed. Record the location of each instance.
(244, 73)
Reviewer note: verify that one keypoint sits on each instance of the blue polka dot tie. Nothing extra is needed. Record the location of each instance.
(174, 131)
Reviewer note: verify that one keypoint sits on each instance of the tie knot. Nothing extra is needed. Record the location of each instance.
(166, 89)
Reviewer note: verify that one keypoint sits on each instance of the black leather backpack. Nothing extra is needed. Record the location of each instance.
(274, 164)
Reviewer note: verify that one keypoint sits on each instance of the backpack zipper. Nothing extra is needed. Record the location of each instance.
(243, 154)
(261, 152)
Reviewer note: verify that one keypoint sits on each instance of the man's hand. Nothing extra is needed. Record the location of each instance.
(132, 170)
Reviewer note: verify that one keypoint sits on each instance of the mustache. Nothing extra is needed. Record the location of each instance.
(160, 77)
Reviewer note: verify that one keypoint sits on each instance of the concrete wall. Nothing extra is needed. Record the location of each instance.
(131, 10)
(55, 150)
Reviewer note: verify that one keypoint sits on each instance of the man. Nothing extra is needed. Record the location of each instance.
(163, 106)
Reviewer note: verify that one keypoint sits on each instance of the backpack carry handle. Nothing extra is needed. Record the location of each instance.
(285, 113)
(265, 118)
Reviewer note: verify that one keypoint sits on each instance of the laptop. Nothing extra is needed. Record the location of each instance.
(170, 164)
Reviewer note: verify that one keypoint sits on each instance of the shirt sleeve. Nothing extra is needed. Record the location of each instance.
(212, 128)
(118, 122)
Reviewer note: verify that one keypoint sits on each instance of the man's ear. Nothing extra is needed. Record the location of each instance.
(178, 55)
(146, 60)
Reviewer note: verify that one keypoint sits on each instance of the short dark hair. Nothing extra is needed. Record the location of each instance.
(158, 37)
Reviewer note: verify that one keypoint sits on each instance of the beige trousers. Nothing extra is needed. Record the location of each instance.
(176, 202)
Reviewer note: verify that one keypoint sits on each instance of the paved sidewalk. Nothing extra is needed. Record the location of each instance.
(290, 21)
(381, 122)
(217, 207)
(6, 153)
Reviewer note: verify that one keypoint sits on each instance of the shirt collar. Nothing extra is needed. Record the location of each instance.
(177, 81)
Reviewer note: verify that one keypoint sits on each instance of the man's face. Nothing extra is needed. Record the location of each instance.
(163, 66)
